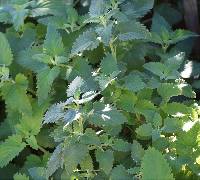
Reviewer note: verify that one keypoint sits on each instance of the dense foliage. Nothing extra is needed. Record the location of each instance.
(95, 93)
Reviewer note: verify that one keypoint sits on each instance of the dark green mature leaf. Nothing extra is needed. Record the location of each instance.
(144, 131)
(134, 83)
(119, 172)
(105, 159)
(137, 8)
(132, 31)
(73, 155)
(109, 65)
(137, 152)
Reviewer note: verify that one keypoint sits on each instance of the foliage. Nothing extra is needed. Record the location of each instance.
(95, 92)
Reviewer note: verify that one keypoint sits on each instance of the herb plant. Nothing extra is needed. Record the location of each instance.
(96, 95)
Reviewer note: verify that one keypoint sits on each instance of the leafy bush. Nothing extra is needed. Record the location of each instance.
(95, 95)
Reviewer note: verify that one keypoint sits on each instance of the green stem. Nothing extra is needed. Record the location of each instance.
(42, 149)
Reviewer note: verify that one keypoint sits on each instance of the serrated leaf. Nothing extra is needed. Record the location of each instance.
(86, 41)
(156, 68)
(53, 44)
(87, 163)
(90, 137)
(160, 168)
(127, 101)
(121, 145)
(180, 35)
(176, 109)
(97, 8)
(105, 33)
(159, 24)
(167, 90)
(137, 152)
(109, 65)
(44, 58)
(55, 161)
(105, 159)
(54, 113)
(144, 131)
(134, 83)
(75, 86)
(37, 173)
(137, 8)
(106, 115)
(15, 94)
(132, 31)
(10, 149)
(25, 59)
(45, 79)
(19, 176)
(32, 142)
(119, 172)
(73, 155)
(172, 125)
(6, 56)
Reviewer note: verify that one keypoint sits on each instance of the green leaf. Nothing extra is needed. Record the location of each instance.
(144, 131)
(105, 33)
(44, 58)
(167, 90)
(97, 8)
(86, 41)
(45, 79)
(105, 115)
(177, 109)
(127, 101)
(87, 163)
(121, 145)
(134, 83)
(10, 149)
(18, 16)
(109, 65)
(15, 94)
(154, 166)
(6, 56)
(180, 35)
(137, 8)
(119, 172)
(132, 31)
(105, 159)
(32, 142)
(159, 24)
(90, 137)
(74, 86)
(53, 44)
(25, 59)
(156, 68)
(19, 176)
(38, 173)
(137, 152)
(73, 155)
(55, 161)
